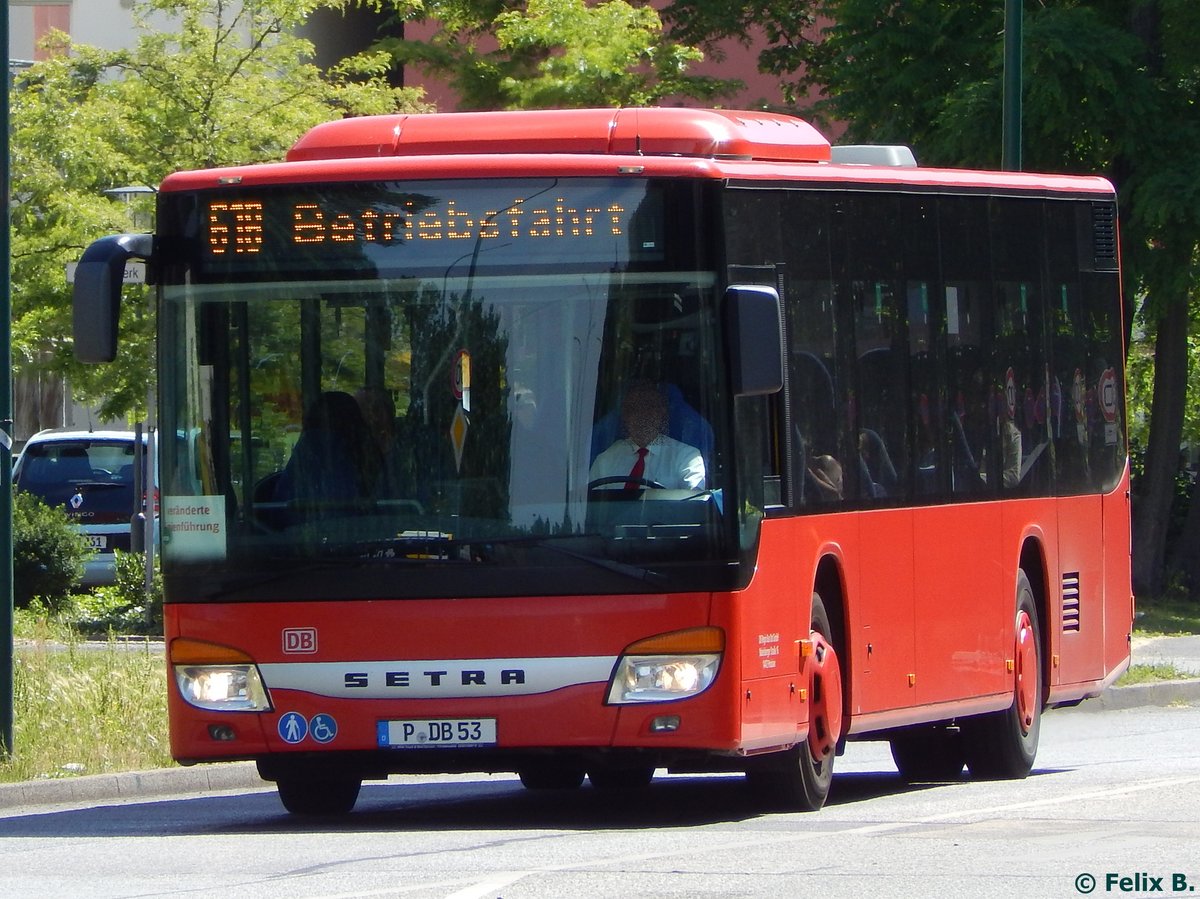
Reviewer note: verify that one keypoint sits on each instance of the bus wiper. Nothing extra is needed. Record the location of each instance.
(635, 572)
(632, 571)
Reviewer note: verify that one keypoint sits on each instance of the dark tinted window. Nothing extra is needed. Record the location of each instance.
(942, 346)
(91, 479)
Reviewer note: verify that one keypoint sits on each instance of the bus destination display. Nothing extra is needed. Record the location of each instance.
(396, 226)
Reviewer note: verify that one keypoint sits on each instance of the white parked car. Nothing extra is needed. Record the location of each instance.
(89, 474)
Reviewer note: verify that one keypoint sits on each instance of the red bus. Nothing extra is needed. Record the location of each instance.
(882, 494)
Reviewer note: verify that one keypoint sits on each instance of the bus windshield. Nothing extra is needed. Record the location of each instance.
(404, 413)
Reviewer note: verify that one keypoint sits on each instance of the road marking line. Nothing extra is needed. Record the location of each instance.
(494, 883)
(502, 879)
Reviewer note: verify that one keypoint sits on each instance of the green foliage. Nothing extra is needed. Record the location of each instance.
(1140, 375)
(122, 607)
(1167, 615)
(36, 623)
(48, 554)
(553, 53)
(231, 84)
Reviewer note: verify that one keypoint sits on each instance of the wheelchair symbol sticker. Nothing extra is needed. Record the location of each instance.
(292, 727)
(323, 728)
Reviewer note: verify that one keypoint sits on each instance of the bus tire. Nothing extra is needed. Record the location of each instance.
(1003, 745)
(551, 777)
(621, 780)
(929, 754)
(799, 779)
(318, 794)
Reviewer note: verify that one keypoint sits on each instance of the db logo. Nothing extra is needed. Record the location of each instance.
(299, 639)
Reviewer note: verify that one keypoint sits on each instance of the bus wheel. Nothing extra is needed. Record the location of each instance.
(621, 780)
(318, 794)
(928, 755)
(1002, 746)
(800, 778)
(551, 777)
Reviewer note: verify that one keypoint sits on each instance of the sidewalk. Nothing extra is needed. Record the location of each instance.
(1182, 652)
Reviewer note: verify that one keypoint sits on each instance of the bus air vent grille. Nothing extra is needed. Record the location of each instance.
(1104, 236)
(1070, 601)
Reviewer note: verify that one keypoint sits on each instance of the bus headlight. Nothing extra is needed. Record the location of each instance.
(235, 688)
(668, 666)
(218, 678)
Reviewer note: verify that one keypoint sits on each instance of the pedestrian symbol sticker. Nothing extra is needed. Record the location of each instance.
(293, 727)
(323, 728)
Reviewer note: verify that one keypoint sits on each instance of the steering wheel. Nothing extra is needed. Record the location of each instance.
(625, 479)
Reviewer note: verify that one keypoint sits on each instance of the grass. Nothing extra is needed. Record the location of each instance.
(1167, 616)
(80, 708)
(1148, 674)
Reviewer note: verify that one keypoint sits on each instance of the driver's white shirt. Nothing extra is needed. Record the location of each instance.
(669, 462)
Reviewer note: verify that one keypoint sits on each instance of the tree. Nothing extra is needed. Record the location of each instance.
(230, 85)
(499, 54)
(1110, 87)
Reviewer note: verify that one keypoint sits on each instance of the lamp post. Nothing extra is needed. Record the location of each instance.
(6, 535)
(1013, 86)
(142, 522)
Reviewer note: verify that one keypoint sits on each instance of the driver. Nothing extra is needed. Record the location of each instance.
(646, 456)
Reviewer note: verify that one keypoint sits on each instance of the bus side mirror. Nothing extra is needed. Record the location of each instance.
(754, 339)
(96, 298)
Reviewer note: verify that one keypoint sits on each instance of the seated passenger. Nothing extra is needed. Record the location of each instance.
(826, 474)
(646, 454)
(335, 459)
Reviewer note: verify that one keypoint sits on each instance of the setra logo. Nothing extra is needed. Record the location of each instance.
(300, 640)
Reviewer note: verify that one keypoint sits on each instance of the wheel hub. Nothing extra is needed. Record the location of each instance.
(1026, 672)
(825, 699)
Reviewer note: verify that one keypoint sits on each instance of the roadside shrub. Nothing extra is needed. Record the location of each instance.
(121, 608)
(48, 554)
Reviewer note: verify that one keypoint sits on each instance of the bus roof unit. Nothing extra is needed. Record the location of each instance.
(873, 154)
(704, 133)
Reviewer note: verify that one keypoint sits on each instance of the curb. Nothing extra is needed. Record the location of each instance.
(1159, 693)
(198, 780)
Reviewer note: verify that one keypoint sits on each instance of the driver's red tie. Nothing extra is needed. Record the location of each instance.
(639, 468)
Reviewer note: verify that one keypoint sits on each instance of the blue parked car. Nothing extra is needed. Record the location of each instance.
(89, 474)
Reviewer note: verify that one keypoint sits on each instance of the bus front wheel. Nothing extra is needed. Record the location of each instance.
(549, 776)
(801, 777)
(929, 754)
(1002, 746)
(318, 794)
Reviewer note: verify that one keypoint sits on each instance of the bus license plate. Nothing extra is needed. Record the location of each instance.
(437, 733)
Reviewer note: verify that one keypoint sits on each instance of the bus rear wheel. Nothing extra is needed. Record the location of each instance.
(801, 777)
(1003, 745)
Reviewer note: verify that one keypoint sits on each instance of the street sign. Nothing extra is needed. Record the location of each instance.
(135, 273)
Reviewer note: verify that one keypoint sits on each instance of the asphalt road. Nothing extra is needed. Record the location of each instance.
(1114, 795)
